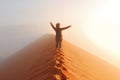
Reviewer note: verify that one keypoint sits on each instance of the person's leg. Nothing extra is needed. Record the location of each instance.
(60, 42)
(57, 44)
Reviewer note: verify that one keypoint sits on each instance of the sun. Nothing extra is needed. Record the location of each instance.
(103, 28)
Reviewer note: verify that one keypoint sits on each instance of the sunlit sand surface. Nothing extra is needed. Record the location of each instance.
(41, 61)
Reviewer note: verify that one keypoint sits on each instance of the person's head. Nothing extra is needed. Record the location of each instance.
(57, 25)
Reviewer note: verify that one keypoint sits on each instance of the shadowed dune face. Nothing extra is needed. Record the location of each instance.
(41, 61)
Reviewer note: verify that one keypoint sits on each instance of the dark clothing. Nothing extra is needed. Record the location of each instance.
(58, 43)
(58, 35)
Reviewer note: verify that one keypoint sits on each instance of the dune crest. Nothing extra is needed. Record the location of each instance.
(55, 69)
(41, 61)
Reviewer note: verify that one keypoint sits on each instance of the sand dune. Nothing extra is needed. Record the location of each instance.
(41, 61)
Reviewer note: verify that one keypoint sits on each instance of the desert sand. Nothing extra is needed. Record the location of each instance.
(41, 61)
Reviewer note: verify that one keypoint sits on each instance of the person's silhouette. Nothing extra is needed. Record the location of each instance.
(58, 31)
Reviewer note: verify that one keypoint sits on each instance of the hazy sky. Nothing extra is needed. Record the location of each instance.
(95, 23)
(23, 20)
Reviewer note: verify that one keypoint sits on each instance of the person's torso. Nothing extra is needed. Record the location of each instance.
(59, 32)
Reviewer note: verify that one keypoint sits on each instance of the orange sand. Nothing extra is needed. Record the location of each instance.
(41, 61)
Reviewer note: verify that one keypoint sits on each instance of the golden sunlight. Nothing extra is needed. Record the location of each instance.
(103, 28)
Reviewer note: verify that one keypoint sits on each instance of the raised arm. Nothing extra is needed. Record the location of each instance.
(66, 27)
(52, 25)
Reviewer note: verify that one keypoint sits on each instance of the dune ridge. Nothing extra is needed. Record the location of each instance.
(42, 61)
(55, 69)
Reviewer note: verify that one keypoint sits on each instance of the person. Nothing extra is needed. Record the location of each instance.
(58, 31)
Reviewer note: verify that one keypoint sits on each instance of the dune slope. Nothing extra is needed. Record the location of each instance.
(41, 61)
